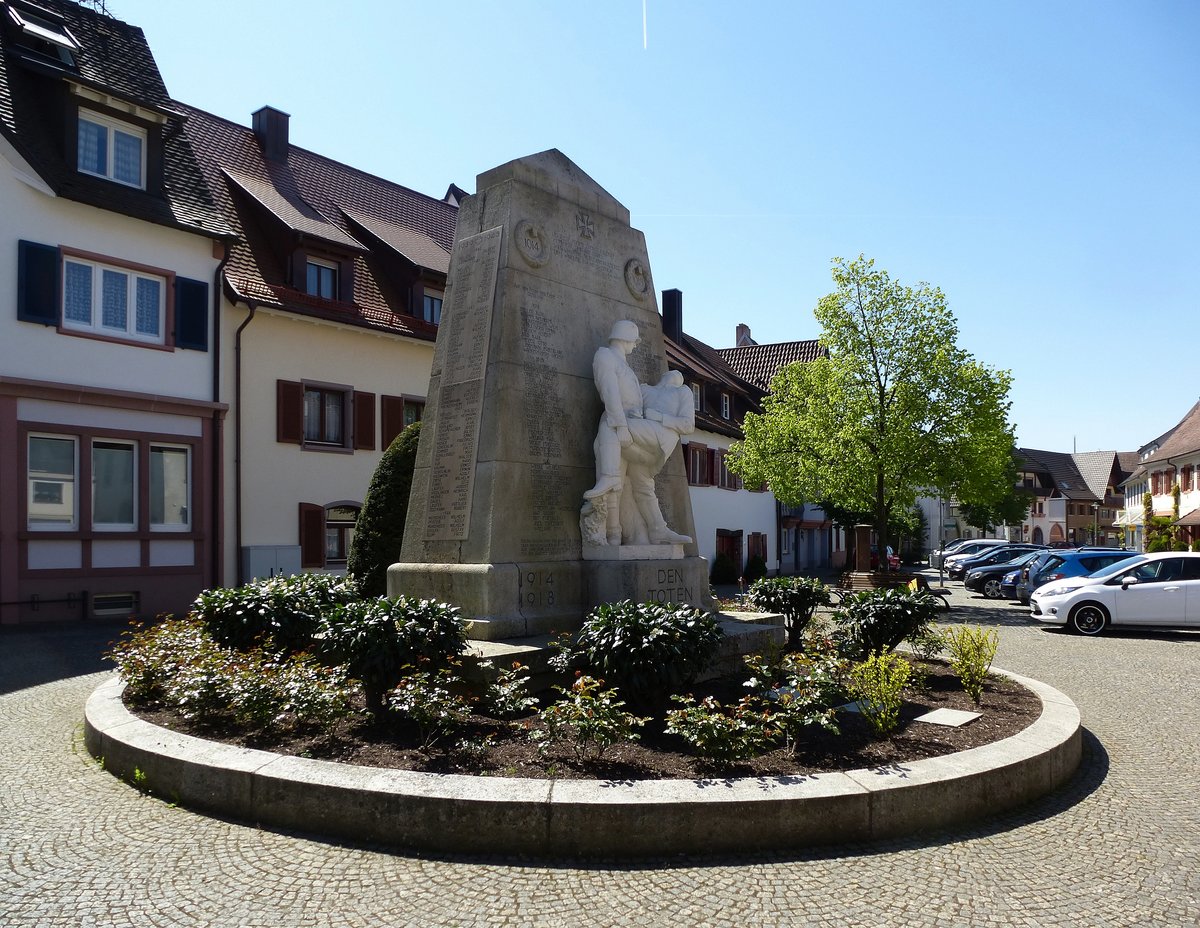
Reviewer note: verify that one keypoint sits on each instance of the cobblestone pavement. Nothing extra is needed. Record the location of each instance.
(1117, 847)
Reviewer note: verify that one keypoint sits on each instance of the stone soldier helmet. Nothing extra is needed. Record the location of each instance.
(624, 331)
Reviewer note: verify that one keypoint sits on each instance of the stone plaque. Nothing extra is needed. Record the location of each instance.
(460, 397)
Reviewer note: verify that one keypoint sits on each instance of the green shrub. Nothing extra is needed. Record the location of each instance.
(588, 719)
(646, 650)
(507, 697)
(876, 686)
(267, 690)
(795, 598)
(430, 701)
(972, 650)
(800, 690)
(724, 571)
(379, 531)
(875, 621)
(281, 613)
(756, 569)
(376, 639)
(148, 657)
(721, 734)
(178, 664)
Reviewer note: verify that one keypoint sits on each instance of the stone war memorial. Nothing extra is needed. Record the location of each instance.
(548, 476)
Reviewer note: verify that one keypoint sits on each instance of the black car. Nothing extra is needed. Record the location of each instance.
(986, 579)
(957, 569)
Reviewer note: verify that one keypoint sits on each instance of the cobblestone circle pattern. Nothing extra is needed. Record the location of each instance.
(1118, 846)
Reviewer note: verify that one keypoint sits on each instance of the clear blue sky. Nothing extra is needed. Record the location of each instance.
(1039, 160)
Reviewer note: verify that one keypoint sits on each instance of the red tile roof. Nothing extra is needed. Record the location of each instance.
(318, 196)
(759, 363)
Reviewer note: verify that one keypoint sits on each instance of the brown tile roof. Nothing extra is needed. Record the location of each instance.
(416, 247)
(759, 363)
(317, 195)
(114, 59)
(1183, 439)
(295, 214)
(1061, 468)
(701, 363)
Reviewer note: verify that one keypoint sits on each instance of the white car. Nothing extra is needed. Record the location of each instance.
(1150, 589)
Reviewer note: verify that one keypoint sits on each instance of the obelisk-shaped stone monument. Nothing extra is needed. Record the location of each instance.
(544, 264)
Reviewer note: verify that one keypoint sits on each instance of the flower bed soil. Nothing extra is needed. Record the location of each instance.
(1007, 708)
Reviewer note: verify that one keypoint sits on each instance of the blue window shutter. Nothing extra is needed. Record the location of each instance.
(191, 314)
(37, 283)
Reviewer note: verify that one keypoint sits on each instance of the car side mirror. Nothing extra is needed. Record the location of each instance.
(1128, 580)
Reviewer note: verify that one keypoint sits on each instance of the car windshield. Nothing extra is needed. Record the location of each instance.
(1119, 567)
(1022, 559)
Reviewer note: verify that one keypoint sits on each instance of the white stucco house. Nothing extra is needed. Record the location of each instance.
(330, 303)
(110, 419)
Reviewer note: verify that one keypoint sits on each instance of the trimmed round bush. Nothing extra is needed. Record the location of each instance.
(379, 532)
(724, 571)
(756, 569)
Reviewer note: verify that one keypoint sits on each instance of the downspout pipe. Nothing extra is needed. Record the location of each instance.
(237, 438)
(218, 455)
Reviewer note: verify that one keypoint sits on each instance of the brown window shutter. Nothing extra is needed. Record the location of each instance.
(364, 421)
(312, 535)
(289, 412)
(391, 418)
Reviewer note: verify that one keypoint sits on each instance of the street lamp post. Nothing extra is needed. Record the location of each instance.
(1095, 523)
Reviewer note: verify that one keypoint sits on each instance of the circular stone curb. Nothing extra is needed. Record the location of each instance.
(590, 818)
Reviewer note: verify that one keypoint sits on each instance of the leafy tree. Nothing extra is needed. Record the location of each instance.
(1009, 509)
(379, 532)
(894, 410)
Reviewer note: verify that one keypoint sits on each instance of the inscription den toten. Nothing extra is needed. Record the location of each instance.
(548, 476)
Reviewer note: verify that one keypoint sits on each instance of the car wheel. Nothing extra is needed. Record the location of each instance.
(1089, 618)
(991, 588)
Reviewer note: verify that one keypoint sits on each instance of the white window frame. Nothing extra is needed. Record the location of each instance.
(726, 406)
(111, 127)
(73, 525)
(695, 396)
(135, 486)
(171, 527)
(96, 325)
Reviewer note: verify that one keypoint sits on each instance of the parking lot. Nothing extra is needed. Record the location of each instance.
(1117, 847)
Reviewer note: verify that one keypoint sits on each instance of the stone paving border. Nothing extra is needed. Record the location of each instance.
(593, 818)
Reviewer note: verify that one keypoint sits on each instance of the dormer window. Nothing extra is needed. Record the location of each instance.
(111, 149)
(432, 310)
(321, 279)
(726, 406)
(47, 36)
(695, 396)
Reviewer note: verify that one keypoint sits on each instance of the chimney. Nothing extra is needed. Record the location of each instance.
(271, 128)
(672, 310)
(742, 338)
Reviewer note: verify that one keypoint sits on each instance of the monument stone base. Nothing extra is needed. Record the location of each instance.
(504, 601)
(668, 581)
